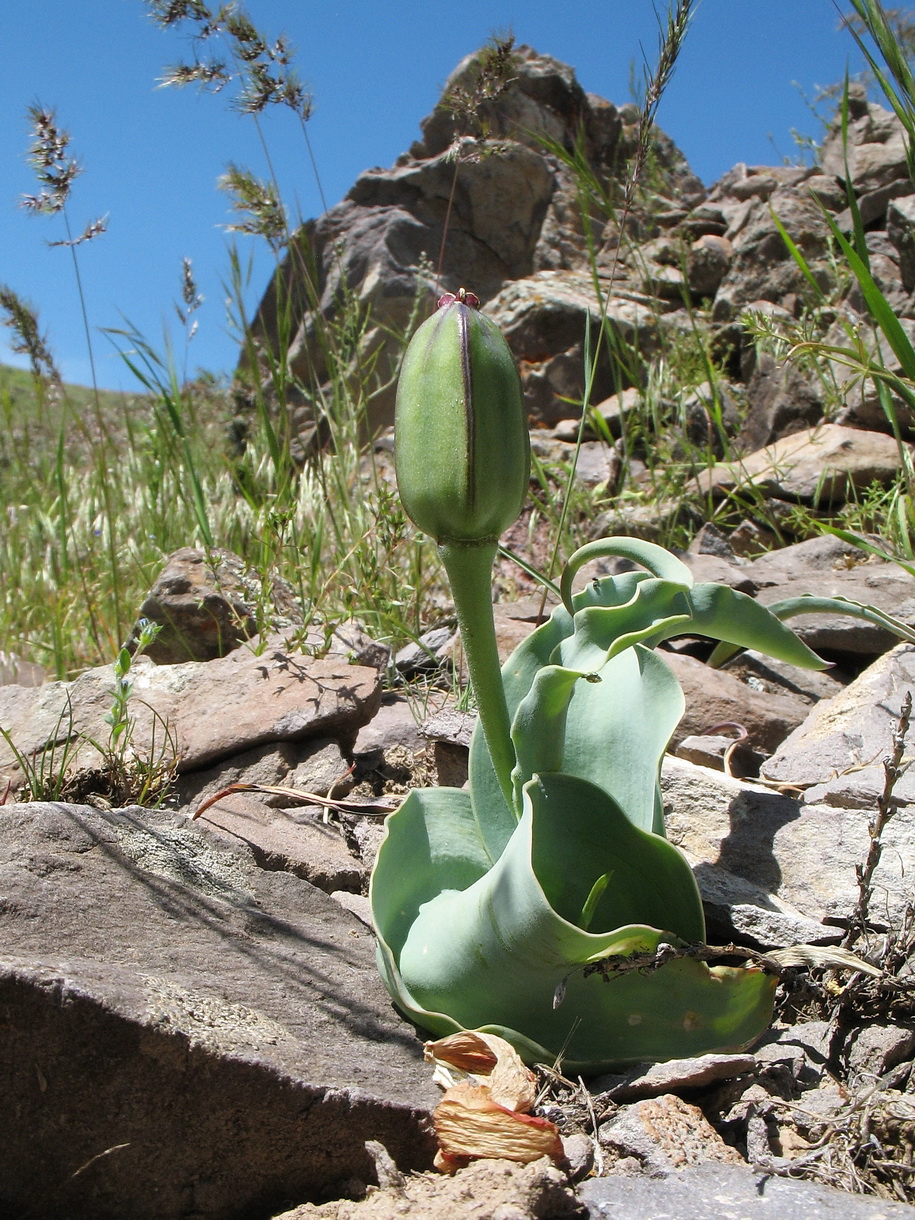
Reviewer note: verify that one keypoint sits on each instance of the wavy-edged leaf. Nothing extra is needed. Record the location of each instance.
(655, 559)
(431, 843)
(653, 612)
(617, 730)
(493, 955)
(539, 724)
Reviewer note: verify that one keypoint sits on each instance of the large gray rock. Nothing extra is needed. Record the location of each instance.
(726, 1192)
(544, 317)
(781, 400)
(753, 846)
(900, 229)
(186, 1035)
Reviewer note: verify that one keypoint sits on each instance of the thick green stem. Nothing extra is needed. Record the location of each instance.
(469, 568)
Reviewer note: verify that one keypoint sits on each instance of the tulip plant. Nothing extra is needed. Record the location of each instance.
(491, 902)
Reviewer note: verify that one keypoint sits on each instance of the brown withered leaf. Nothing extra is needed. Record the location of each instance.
(469, 1125)
(467, 1051)
(484, 1059)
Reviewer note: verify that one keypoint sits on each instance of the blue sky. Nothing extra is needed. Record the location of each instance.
(152, 155)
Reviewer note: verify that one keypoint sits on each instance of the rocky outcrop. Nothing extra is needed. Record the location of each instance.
(510, 204)
(686, 267)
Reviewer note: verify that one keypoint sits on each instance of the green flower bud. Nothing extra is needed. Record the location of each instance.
(462, 448)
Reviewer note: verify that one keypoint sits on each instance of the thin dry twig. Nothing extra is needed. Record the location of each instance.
(775, 961)
(893, 769)
(365, 809)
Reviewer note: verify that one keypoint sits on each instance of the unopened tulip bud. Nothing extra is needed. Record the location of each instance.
(462, 448)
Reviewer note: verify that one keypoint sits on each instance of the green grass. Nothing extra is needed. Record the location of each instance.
(92, 514)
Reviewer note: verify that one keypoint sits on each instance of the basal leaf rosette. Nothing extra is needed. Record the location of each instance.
(491, 903)
(494, 953)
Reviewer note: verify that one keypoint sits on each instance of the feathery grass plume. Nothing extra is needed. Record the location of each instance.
(491, 74)
(259, 203)
(262, 70)
(261, 67)
(56, 170)
(22, 319)
(670, 43)
(94, 228)
(48, 157)
(192, 299)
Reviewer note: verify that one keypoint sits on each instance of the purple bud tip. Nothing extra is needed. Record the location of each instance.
(462, 296)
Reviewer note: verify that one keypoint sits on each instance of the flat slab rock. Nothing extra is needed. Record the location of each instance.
(821, 465)
(214, 709)
(186, 1035)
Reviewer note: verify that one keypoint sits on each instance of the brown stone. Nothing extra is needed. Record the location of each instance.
(658, 1078)
(665, 1133)
(714, 698)
(206, 604)
(820, 466)
(707, 263)
(212, 711)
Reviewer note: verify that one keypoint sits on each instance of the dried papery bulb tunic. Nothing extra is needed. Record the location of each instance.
(462, 449)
